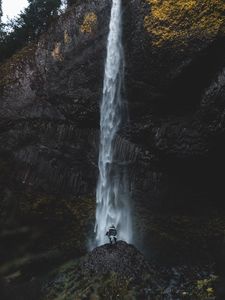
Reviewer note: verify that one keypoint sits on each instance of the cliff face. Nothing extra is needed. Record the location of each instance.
(175, 89)
(50, 94)
(173, 145)
(50, 91)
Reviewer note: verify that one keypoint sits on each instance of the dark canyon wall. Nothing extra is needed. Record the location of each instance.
(173, 145)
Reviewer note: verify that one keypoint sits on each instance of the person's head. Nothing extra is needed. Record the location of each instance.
(113, 226)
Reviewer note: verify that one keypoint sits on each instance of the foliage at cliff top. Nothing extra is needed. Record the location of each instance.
(177, 21)
(28, 26)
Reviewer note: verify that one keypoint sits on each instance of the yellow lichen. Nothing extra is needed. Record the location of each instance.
(178, 20)
(18, 61)
(89, 23)
(56, 52)
(67, 38)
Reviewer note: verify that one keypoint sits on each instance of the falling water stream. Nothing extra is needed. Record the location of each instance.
(112, 194)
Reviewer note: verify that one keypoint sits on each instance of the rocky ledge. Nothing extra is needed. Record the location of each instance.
(122, 272)
(120, 258)
(114, 272)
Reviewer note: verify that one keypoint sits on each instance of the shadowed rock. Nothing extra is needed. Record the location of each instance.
(121, 258)
(174, 144)
(121, 272)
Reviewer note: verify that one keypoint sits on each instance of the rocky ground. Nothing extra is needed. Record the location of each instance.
(115, 272)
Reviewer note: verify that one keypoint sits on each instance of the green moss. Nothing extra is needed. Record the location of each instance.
(173, 227)
(180, 236)
(75, 286)
(205, 288)
(71, 220)
(68, 282)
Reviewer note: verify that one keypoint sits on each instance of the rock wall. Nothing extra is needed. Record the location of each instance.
(173, 144)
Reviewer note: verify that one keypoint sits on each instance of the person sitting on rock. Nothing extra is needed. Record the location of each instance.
(112, 234)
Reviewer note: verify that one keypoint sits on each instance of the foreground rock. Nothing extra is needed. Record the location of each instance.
(107, 271)
(113, 272)
(121, 258)
(121, 272)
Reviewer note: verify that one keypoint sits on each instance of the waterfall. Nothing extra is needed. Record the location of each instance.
(112, 195)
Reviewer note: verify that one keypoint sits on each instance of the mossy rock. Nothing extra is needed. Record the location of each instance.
(10, 68)
(74, 280)
(178, 237)
(180, 21)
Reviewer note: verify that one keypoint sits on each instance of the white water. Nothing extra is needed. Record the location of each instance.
(112, 194)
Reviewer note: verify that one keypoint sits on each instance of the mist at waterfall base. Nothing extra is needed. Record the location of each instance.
(112, 195)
